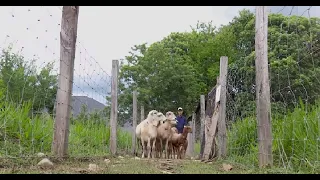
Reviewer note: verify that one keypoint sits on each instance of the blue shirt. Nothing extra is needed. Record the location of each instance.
(182, 121)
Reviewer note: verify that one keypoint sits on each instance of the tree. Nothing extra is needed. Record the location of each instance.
(20, 81)
(174, 71)
(294, 66)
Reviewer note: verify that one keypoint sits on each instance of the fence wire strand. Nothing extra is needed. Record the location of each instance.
(30, 62)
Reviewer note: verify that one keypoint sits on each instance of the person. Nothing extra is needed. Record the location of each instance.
(181, 120)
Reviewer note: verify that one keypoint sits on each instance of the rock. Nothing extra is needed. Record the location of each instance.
(166, 172)
(45, 163)
(136, 158)
(107, 161)
(93, 167)
(120, 157)
(40, 154)
(226, 167)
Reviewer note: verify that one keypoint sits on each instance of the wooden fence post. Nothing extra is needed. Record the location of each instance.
(191, 137)
(202, 118)
(134, 121)
(114, 107)
(263, 88)
(222, 130)
(68, 39)
(142, 114)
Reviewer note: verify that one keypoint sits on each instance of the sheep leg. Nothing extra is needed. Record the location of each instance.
(158, 148)
(154, 148)
(143, 149)
(179, 152)
(169, 150)
(166, 149)
(149, 148)
(173, 152)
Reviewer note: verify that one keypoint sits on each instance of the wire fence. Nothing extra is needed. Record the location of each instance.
(294, 79)
(30, 62)
(29, 71)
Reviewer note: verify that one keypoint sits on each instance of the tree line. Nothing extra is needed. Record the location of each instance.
(174, 71)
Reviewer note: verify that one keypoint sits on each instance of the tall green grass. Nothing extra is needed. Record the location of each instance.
(24, 134)
(295, 139)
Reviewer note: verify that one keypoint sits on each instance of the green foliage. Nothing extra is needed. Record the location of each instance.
(20, 81)
(295, 144)
(294, 66)
(174, 71)
(22, 134)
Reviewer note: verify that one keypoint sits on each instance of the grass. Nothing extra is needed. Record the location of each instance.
(25, 135)
(295, 145)
(295, 140)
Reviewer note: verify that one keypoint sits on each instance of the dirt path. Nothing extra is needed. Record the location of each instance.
(122, 165)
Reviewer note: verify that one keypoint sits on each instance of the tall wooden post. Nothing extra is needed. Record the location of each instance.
(222, 130)
(114, 107)
(142, 114)
(68, 39)
(134, 121)
(202, 117)
(263, 88)
(191, 138)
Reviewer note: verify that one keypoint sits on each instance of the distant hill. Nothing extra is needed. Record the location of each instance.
(92, 104)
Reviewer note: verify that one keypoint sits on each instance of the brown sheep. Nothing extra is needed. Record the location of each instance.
(178, 141)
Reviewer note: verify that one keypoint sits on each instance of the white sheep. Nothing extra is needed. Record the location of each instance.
(152, 115)
(164, 133)
(149, 134)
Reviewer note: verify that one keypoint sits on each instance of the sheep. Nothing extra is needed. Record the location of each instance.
(152, 115)
(174, 129)
(178, 141)
(164, 133)
(183, 148)
(148, 135)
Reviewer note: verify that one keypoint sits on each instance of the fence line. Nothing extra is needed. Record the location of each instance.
(247, 93)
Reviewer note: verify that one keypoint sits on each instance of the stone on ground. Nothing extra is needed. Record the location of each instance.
(40, 154)
(45, 163)
(93, 167)
(107, 161)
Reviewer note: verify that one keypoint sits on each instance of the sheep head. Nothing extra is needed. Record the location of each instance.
(152, 115)
(171, 118)
(187, 129)
(170, 115)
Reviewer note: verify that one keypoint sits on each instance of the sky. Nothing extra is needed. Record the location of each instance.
(105, 33)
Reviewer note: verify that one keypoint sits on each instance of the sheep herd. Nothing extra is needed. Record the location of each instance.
(157, 133)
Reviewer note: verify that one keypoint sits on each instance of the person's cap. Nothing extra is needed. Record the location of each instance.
(180, 109)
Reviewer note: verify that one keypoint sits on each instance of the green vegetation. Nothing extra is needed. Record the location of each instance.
(296, 143)
(22, 135)
(174, 72)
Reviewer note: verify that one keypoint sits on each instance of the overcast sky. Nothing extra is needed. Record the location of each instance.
(104, 34)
